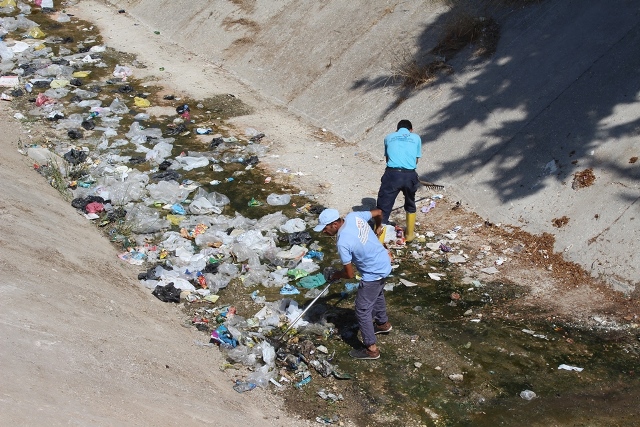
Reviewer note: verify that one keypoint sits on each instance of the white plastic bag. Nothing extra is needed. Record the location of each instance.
(278, 199)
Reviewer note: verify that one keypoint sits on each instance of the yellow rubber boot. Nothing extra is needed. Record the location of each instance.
(410, 234)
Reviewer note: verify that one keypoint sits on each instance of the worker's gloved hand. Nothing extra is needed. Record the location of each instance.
(328, 273)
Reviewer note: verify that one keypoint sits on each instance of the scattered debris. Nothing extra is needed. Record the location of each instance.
(583, 179)
(560, 222)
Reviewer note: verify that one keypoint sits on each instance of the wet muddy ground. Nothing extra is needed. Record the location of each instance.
(465, 345)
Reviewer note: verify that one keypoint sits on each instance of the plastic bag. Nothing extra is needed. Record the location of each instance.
(202, 206)
(122, 72)
(118, 107)
(262, 375)
(141, 102)
(143, 219)
(278, 199)
(188, 163)
(36, 33)
(293, 225)
(168, 192)
(271, 221)
(312, 281)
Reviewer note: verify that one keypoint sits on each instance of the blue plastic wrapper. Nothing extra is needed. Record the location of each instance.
(178, 209)
(288, 289)
(222, 336)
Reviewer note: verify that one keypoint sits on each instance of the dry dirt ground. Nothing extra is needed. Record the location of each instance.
(556, 287)
(84, 344)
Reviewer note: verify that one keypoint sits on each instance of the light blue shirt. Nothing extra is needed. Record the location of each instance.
(359, 245)
(402, 148)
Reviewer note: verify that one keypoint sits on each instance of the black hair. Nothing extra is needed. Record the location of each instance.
(404, 124)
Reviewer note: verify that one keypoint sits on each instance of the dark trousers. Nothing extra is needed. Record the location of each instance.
(391, 184)
(370, 306)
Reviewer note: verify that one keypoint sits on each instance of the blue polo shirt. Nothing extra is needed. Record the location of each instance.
(402, 148)
(359, 245)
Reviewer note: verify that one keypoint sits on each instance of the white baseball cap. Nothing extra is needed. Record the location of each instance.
(326, 217)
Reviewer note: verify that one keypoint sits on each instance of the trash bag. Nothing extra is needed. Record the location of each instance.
(211, 268)
(82, 202)
(167, 293)
(317, 209)
(75, 157)
(116, 214)
(88, 124)
(251, 161)
(176, 130)
(74, 133)
(215, 142)
(299, 238)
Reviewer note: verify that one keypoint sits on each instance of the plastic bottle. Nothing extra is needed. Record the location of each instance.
(242, 386)
(306, 380)
(399, 236)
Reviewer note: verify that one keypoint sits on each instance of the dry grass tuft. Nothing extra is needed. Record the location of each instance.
(464, 29)
(246, 5)
(410, 74)
(583, 179)
(243, 41)
(560, 222)
(228, 23)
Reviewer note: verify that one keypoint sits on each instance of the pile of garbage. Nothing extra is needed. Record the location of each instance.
(120, 169)
(273, 357)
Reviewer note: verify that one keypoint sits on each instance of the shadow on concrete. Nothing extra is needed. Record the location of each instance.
(547, 99)
(366, 204)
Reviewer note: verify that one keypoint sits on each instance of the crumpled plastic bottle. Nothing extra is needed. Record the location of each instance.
(304, 381)
(242, 386)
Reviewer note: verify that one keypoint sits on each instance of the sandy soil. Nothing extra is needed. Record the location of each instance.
(84, 344)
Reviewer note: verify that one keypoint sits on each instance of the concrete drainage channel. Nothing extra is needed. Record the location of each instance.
(185, 199)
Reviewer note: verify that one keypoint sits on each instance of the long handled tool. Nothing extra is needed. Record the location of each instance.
(306, 309)
(431, 185)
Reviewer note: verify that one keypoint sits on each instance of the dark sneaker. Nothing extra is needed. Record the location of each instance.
(364, 354)
(384, 328)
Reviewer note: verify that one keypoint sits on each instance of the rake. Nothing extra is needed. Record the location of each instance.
(277, 343)
(432, 186)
